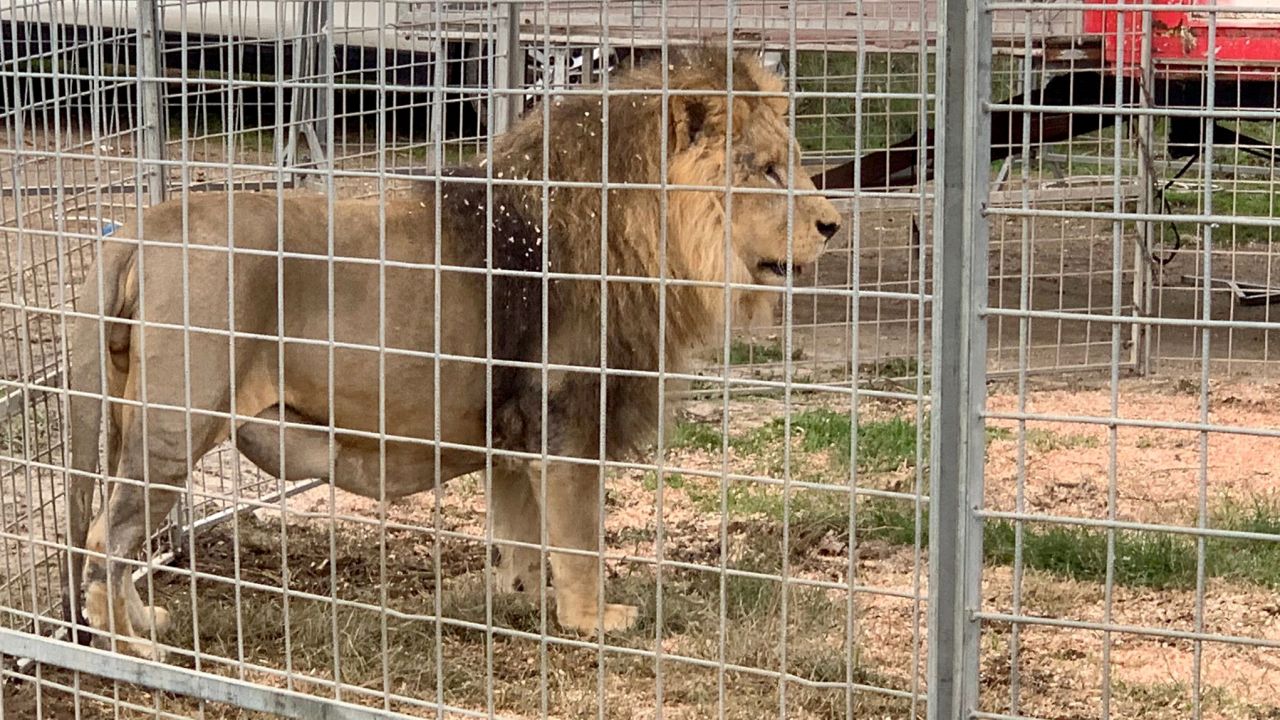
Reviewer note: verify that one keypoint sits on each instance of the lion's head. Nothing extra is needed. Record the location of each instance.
(742, 164)
(764, 156)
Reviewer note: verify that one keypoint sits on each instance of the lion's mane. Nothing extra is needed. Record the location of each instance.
(636, 336)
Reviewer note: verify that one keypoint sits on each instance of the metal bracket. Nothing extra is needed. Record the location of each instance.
(1246, 293)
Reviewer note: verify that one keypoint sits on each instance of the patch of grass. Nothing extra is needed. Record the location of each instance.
(1047, 441)
(1042, 440)
(1157, 560)
(1149, 559)
(671, 480)
(742, 352)
(454, 153)
(1243, 202)
(828, 122)
(1166, 695)
(883, 445)
(27, 433)
(696, 436)
(905, 368)
(1146, 559)
(890, 521)
(999, 433)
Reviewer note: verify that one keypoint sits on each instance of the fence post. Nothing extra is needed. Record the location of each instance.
(309, 109)
(1145, 139)
(151, 99)
(959, 358)
(508, 69)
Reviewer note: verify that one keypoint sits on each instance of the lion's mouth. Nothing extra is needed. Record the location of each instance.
(776, 270)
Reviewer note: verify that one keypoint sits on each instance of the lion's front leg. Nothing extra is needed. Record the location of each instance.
(572, 514)
(516, 519)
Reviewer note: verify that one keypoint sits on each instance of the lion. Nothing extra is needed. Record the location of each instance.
(254, 320)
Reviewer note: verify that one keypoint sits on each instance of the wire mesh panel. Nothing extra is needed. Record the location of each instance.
(556, 359)
(1129, 521)
(493, 232)
(71, 170)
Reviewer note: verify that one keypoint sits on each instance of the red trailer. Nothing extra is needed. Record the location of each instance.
(1245, 42)
(1245, 45)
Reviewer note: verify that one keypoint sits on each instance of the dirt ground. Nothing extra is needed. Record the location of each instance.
(1060, 671)
(330, 623)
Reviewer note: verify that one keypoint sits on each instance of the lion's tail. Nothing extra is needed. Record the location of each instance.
(88, 360)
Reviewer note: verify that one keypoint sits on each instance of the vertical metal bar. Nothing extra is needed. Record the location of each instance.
(322, 139)
(150, 105)
(1142, 276)
(309, 108)
(1113, 438)
(1206, 358)
(509, 70)
(959, 361)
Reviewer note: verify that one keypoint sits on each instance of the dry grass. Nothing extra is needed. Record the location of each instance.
(327, 639)
(830, 638)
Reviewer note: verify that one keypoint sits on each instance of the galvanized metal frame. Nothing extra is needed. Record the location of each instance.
(957, 450)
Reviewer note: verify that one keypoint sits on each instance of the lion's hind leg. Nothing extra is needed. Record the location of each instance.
(134, 508)
(141, 492)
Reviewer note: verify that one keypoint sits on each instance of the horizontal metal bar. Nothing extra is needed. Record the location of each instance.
(619, 279)
(549, 457)
(159, 676)
(1131, 422)
(13, 401)
(265, 501)
(109, 189)
(1125, 7)
(419, 176)
(1134, 319)
(1127, 525)
(1126, 629)
(481, 92)
(1086, 368)
(1226, 113)
(1203, 219)
(1226, 170)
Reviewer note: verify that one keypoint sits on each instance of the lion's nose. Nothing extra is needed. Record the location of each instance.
(828, 230)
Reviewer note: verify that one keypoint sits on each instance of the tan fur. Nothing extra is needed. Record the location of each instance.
(147, 284)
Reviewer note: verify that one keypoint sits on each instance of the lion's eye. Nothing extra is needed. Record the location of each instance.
(774, 176)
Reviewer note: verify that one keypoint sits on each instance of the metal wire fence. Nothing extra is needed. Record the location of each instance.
(1003, 449)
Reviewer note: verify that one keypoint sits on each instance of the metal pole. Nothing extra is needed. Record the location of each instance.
(1142, 271)
(959, 359)
(151, 99)
(509, 70)
(308, 112)
(279, 702)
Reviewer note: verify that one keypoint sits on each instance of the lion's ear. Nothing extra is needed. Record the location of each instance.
(688, 121)
(695, 117)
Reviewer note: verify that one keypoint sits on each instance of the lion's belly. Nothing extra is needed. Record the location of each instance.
(384, 357)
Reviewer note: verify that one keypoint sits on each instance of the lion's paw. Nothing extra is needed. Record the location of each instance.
(160, 618)
(141, 649)
(94, 607)
(516, 570)
(616, 618)
(509, 581)
(96, 613)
